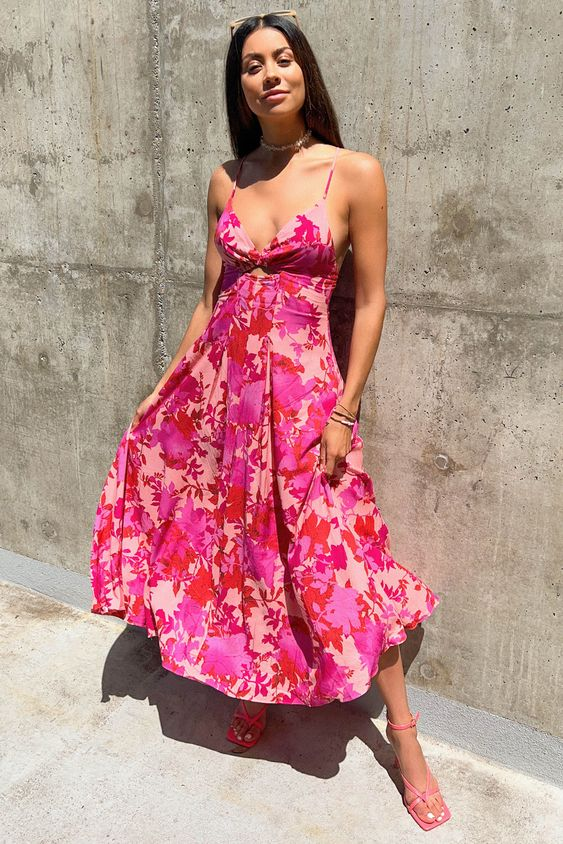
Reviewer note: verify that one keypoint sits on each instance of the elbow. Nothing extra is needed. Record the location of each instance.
(376, 302)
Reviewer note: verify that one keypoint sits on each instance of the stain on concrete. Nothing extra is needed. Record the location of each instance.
(481, 245)
(436, 141)
(15, 62)
(35, 183)
(23, 603)
(144, 206)
(434, 670)
(49, 530)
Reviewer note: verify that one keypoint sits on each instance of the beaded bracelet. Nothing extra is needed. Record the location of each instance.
(340, 415)
(342, 419)
(342, 422)
(348, 418)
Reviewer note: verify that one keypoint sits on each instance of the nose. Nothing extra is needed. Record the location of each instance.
(272, 72)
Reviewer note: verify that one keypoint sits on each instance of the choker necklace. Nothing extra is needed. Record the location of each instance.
(296, 144)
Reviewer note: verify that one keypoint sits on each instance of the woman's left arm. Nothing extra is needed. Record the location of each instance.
(368, 238)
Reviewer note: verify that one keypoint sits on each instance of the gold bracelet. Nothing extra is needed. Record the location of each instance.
(342, 416)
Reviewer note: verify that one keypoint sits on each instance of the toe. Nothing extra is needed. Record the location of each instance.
(438, 811)
(436, 804)
(426, 812)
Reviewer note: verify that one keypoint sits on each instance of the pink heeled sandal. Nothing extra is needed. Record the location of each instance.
(249, 720)
(420, 797)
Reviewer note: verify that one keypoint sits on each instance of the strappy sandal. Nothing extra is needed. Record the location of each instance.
(249, 719)
(420, 797)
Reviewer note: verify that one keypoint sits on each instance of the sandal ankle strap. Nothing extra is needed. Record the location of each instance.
(411, 723)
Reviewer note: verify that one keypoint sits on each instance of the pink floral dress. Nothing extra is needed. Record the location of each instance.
(217, 530)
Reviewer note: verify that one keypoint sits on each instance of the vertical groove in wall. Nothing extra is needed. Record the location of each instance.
(161, 356)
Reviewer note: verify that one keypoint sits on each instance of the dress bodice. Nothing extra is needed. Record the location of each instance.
(303, 246)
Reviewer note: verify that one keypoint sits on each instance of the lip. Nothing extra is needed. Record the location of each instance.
(274, 94)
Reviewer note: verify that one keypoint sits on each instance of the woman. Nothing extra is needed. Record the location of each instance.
(237, 523)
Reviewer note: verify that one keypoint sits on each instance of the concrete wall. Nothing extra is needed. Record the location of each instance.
(112, 120)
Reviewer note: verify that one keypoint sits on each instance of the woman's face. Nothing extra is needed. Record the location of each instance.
(268, 64)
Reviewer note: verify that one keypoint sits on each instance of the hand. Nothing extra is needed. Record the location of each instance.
(143, 407)
(336, 442)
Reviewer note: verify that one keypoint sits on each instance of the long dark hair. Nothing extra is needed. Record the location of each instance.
(318, 111)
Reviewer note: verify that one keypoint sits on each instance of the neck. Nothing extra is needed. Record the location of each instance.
(281, 134)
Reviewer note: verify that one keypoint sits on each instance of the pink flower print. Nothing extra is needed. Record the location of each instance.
(226, 656)
(341, 609)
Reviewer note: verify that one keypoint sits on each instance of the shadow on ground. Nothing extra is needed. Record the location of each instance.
(312, 740)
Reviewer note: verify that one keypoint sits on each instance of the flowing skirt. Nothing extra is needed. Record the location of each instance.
(218, 532)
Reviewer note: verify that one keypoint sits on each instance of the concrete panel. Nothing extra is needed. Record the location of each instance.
(77, 353)
(457, 103)
(460, 424)
(76, 157)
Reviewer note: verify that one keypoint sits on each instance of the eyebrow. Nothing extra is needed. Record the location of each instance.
(275, 53)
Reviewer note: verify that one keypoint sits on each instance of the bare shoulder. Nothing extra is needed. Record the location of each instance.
(224, 172)
(361, 169)
(219, 183)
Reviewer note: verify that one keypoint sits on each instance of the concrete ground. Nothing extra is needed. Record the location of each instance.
(99, 743)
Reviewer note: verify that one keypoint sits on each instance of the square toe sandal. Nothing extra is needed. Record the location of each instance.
(420, 796)
(249, 719)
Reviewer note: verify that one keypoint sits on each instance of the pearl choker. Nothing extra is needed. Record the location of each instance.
(295, 145)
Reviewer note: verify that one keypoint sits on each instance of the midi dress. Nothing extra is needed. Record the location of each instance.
(218, 531)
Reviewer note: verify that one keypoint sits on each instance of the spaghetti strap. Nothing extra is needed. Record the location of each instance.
(331, 171)
(235, 182)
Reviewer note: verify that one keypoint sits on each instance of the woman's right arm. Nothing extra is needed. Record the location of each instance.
(211, 287)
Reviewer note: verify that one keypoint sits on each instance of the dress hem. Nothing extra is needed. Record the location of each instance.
(97, 609)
